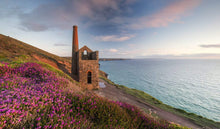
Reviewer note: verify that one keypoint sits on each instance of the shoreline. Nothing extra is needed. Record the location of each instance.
(151, 105)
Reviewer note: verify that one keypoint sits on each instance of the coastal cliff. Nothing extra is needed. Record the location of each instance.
(153, 106)
(41, 70)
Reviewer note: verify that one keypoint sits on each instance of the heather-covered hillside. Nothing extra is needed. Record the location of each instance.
(31, 96)
(13, 49)
(36, 90)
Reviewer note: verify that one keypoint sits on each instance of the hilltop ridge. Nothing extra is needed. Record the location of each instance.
(12, 49)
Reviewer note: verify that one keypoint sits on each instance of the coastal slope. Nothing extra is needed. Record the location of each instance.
(16, 52)
(153, 106)
(116, 94)
(13, 49)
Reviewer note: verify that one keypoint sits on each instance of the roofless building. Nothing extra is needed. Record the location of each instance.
(85, 64)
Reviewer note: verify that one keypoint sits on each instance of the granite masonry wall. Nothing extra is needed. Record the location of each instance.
(88, 64)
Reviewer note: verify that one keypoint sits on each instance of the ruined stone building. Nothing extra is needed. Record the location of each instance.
(85, 64)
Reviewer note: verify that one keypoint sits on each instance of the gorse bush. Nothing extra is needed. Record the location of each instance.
(33, 97)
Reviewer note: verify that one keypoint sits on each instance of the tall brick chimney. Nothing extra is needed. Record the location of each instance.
(75, 39)
(75, 48)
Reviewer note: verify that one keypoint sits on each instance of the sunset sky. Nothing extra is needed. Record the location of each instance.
(117, 28)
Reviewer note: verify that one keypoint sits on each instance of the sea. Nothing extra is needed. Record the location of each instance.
(189, 84)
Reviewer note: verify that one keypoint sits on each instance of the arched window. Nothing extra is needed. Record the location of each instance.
(89, 77)
(85, 52)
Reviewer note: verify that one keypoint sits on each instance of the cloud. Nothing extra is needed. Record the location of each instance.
(49, 16)
(112, 16)
(113, 38)
(123, 53)
(170, 14)
(131, 45)
(63, 14)
(186, 56)
(113, 50)
(210, 46)
(61, 44)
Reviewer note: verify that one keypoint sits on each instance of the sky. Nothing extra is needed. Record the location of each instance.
(117, 28)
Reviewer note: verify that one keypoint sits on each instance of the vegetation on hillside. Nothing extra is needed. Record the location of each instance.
(13, 50)
(34, 97)
(11, 47)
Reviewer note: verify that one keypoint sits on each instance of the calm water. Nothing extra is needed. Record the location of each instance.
(192, 85)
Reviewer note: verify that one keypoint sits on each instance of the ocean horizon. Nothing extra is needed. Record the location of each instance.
(189, 84)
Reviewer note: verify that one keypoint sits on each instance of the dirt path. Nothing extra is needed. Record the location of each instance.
(113, 93)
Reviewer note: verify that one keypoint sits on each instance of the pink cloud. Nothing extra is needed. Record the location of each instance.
(91, 7)
(64, 14)
(210, 45)
(170, 14)
(113, 50)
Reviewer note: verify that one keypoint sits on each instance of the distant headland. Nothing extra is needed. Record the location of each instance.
(112, 59)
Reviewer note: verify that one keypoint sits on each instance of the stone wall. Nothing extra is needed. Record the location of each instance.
(85, 66)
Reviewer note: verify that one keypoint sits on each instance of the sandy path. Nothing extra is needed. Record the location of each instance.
(113, 93)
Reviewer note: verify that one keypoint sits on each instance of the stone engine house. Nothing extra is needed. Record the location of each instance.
(85, 64)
